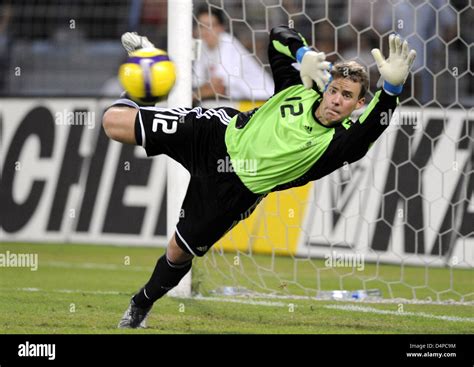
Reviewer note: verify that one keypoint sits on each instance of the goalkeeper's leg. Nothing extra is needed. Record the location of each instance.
(169, 270)
(119, 124)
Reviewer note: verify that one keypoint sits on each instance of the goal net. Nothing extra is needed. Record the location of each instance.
(398, 224)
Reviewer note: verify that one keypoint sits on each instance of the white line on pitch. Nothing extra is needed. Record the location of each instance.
(243, 301)
(200, 298)
(64, 264)
(67, 291)
(390, 312)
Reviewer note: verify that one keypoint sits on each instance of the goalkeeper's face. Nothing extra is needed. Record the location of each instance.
(340, 99)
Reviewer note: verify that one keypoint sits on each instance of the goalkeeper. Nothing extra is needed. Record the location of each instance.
(302, 133)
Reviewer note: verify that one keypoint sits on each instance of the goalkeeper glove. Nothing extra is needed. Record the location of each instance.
(132, 41)
(313, 68)
(394, 71)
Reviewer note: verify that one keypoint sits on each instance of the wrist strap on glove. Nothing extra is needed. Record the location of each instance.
(300, 53)
(392, 89)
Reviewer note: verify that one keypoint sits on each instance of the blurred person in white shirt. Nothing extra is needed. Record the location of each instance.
(225, 67)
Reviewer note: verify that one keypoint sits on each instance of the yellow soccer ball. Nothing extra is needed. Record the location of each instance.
(148, 75)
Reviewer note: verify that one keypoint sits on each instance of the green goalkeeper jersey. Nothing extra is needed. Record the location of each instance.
(281, 144)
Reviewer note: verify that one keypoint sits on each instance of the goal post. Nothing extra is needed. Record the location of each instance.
(180, 15)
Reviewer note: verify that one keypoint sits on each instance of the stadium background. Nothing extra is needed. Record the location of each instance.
(408, 203)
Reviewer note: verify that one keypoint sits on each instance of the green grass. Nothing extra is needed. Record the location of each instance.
(64, 294)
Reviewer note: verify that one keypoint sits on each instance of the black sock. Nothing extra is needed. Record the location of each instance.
(165, 277)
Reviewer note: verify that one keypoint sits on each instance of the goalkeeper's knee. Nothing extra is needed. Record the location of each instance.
(119, 124)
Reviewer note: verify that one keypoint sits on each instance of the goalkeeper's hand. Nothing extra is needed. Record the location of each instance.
(132, 41)
(394, 71)
(313, 68)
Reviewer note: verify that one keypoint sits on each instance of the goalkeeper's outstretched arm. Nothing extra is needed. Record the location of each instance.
(394, 71)
(287, 47)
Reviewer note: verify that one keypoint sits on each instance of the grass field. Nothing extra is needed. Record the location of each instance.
(85, 289)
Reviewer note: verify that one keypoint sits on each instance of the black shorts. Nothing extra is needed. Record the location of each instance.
(216, 199)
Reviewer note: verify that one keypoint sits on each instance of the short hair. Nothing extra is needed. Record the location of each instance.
(354, 71)
(211, 10)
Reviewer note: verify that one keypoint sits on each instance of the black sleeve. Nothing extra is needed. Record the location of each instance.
(284, 42)
(355, 141)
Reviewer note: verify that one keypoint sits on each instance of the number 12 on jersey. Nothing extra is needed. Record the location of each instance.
(292, 109)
